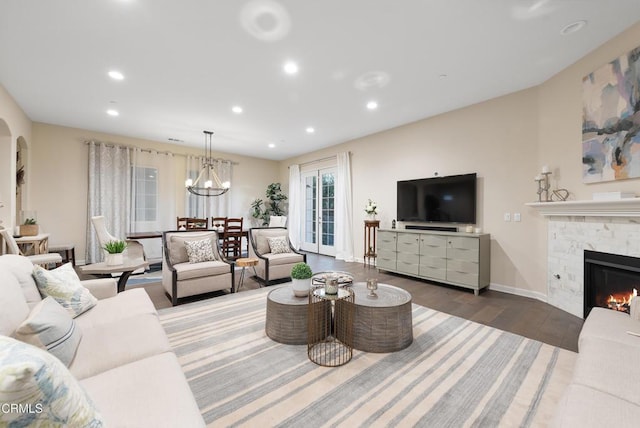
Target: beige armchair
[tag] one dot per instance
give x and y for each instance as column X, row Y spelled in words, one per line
column 272, row 267
column 180, row 278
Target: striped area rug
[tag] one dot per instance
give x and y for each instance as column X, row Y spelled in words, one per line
column 456, row 373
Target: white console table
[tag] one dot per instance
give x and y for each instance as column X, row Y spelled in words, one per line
column 461, row 259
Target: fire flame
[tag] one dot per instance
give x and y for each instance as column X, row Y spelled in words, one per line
column 621, row 300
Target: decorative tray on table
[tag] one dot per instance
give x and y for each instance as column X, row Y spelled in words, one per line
column 344, row 278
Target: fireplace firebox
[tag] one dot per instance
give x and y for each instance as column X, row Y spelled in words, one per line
column 610, row 280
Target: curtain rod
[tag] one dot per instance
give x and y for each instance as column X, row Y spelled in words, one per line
column 319, row 160
column 165, row 152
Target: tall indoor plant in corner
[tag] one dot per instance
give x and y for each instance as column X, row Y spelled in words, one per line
column 301, row 279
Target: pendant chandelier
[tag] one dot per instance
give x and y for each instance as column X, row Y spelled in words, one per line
column 208, row 183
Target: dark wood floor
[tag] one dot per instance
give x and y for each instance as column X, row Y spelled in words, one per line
column 521, row 315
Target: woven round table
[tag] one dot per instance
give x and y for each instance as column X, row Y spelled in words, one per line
column 383, row 323
column 286, row 317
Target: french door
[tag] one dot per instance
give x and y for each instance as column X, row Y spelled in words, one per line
column 318, row 190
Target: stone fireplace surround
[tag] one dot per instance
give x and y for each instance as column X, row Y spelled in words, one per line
column 575, row 226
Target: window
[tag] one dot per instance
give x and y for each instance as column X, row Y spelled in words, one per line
column 146, row 194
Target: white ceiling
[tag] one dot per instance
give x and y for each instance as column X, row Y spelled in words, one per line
column 187, row 63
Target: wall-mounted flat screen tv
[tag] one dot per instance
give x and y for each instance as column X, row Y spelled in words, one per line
column 449, row 199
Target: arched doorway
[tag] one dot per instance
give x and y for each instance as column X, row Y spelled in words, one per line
column 21, row 160
column 7, row 177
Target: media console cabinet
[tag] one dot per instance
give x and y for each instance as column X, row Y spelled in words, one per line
column 461, row 259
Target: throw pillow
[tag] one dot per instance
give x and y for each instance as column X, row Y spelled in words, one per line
column 64, row 285
column 199, row 251
column 50, row 327
column 279, row 245
column 40, row 391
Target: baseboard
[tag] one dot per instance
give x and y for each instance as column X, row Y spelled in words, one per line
column 518, row 291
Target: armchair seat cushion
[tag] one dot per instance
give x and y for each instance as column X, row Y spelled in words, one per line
column 283, row 258
column 198, row 270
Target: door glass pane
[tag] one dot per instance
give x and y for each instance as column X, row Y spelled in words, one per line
column 310, row 191
column 328, row 212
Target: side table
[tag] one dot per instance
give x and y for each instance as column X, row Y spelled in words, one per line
column 370, row 229
column 244, row 263
column 125, row 269
column 330, row 333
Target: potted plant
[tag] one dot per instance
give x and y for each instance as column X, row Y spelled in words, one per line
column 262, row 210
column 301, row 278
column 114, row 251
column 29, row 228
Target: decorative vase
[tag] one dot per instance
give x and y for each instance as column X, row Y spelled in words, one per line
column 114, row 259
column 331, row 286
column 301, row 287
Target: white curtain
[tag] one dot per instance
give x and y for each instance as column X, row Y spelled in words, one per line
column 108, row 194
column 295, row 206
column 344, row 209
column 207, row 207
column 153, row 196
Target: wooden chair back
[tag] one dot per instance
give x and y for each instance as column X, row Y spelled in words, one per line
column 232, row 239
column 191, row 223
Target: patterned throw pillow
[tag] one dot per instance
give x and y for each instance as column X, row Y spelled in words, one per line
column 199, row 251
column 64, row 285
column 40, row 391
column 50, row 327
column 279, row 245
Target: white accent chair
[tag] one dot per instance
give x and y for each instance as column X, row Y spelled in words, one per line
column 43, row 260
column 134, row 249
column 278, row 221
column 272, row 268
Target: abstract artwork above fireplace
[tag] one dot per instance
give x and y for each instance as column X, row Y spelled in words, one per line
column 611, row 120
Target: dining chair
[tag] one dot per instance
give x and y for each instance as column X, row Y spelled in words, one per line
column 37, row 259
column 218, row 224
column 181, row 223
column 197, row 223
column 232, row 240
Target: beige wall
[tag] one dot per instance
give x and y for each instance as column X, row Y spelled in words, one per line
column 506, row 141
column 14, row 124
column 58, row 180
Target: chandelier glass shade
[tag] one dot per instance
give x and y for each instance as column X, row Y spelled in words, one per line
column 207, row 183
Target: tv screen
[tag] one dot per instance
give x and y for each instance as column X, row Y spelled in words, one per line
column 449, row 199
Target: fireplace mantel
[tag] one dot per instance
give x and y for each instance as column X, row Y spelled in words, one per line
column 629, row 207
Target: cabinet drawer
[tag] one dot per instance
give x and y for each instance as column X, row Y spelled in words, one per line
column 433, row 250
column 462, row 278
column 464, row 243
column 413, row 258
column 434, row 240
column 407, row 267
column 408, row 239
column 386, row 253
column 433, row 272
column 463, row 254
column 386, row 263
column 463, row 266
column 431, row 261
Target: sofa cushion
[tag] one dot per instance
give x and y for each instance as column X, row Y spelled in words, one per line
column 261, row 236
column 150, row 393
column 283, row 259
column 177, row 250
column 50, row 327
column 22, row 268
column 128, row 304
column 64, row 285
column 198, row 270
column 609, row 325
column 104, row 347
column 634, row 308
column 36, row 379
column 14, row 308
column 279, row 245
column 199, row 251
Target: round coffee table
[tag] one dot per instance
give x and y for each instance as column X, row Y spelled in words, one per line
column 383, row 323
column 286, row 316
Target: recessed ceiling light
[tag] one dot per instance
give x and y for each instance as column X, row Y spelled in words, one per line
column 443, row 76
column 573, row 27
column 271, row 145
column 372, row 105
column 116, row 75
column 290, row 67
column 112, row 112
column 236, row 109
column 310, row 130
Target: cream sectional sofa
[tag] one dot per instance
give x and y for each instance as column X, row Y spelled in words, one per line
column 123, row 361
column 605, row 389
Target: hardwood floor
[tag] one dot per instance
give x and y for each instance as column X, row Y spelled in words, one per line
column 521, row 315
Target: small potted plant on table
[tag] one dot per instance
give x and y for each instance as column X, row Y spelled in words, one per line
column 301, row 279
column 29, row 228
column 114, row 251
